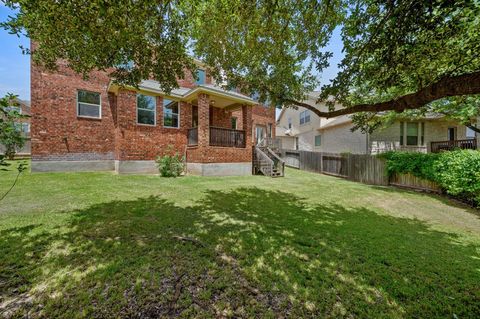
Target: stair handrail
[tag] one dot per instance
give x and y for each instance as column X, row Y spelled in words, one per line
column 261, row 154
column 278, row 158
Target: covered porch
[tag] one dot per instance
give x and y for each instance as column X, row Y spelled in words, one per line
column 219, row 140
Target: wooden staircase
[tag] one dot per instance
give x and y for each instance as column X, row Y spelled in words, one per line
column 267, row 162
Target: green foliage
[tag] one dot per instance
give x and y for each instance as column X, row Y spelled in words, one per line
column 277, row 49
column 457, row 172
column 170, row 164
column 10, row 137
column 417, row 164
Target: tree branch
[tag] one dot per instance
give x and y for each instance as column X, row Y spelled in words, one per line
column 473, row 128
column 464, row 84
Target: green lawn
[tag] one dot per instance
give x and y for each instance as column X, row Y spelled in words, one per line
column 307, row 245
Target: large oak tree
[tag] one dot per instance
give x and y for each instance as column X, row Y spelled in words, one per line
column 400, row 56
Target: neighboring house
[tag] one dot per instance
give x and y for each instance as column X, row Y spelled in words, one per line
column 301, row 129
column 23, row 125
column 94, row 124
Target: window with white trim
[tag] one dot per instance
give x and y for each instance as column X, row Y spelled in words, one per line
column 318, row 140
column 412, row 133
column 289, row 123
column 170, row 113
column 89, row 104
column 146, row 109
column 304, row 117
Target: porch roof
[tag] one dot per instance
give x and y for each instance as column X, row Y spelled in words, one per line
column 220, row 97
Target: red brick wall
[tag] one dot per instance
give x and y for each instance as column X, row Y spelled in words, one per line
column 145, row 142
column 220, row 117
column 57, row 133
column 189, row 81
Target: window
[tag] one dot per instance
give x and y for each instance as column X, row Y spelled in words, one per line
column 146, row 109
column 412, row 133
column 200, row 77
column 318, row 140
column 170, row 113
column 304, row 117
column 289, row 123
column 88, row 104
column 469, row 133
column 269, row 129
column 234, row 123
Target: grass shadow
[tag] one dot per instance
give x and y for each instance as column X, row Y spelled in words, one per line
column 241, row 253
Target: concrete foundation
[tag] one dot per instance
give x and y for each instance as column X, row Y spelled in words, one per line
column 141, row 167
column 220, row 169
column 136, row 167
column 72, row 166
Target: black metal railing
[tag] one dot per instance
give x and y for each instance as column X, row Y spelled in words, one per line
column 192, row 136
column 227, row 137
column 451, row 145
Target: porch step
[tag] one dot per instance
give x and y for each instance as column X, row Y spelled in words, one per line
column 268, row 163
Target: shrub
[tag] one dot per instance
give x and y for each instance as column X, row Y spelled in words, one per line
column 457, row 172
column 170, row 164
column 418, row 164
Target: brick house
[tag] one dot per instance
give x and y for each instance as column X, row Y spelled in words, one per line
column 95, row 125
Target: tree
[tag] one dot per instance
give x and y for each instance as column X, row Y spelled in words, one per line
column 399, row 55
column 10, row 136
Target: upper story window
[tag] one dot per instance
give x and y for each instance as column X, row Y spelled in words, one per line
column 201, row 77
column 234, row 123
column 289, row 123
column 304, row 117
column 89, row 104
column 146, row 109
column 170, row 113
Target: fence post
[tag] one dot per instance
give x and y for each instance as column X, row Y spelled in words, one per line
column 321, row 162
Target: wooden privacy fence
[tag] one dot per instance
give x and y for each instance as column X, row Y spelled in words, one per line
column 366, row 169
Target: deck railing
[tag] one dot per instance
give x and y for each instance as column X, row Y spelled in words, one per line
column 227, row 137
column 451, row 145
column 192, row 136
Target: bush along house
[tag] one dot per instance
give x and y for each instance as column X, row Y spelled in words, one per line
column 95, row 125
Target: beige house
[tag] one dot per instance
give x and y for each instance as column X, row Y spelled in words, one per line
column 301, row 129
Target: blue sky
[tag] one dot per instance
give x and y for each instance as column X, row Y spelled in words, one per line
column 15, row 67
